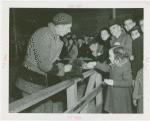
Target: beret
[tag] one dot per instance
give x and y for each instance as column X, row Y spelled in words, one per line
column 62, row 18
column 92, row 41
column 113, row 22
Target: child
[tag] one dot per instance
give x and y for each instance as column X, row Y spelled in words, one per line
column 138, row 91
column 118, row 97
column 137, row 50
column 129, row 23
column 141, row 23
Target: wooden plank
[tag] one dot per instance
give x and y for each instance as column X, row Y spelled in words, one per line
column 98, row 81
column 84, row 101
column 28, row 101
column 85, row 74
column 71, row 95
column 82, row 59
column 90, row 87
column 98, row 109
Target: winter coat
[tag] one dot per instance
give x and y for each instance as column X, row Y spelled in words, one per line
column 118, row 96
column 81, row 51
column 43, row 50
column 105, row 52
column 72, row 53
column 125, row 41
column 137, row 52
column 138, row 91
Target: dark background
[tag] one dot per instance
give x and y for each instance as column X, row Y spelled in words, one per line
column 85, row 21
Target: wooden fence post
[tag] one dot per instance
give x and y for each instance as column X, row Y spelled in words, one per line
column 99, row 96
column 90, row 87
column 72, row 95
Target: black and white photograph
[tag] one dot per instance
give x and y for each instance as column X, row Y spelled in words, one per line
column 76, row 60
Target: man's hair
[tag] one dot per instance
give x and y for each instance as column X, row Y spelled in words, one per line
column 119, row 52
column 70, row 38
column 128, row 18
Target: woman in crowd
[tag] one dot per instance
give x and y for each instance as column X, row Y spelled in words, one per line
column 103, row 55
column 72, row 50
column 64, row 49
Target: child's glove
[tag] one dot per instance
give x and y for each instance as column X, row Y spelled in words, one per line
column 135, row 102
column 131, row 57
column 98, row 54
column 94, row 54
column 109, row 81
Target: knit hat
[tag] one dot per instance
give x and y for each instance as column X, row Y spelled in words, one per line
column 135, row 28
column 62, row 18
column 113, row 22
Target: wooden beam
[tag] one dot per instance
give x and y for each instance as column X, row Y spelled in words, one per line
column 82, row 59
column 15, row 35
column 114, row 13
column 71, row 95
column 98, row 81
column 84, row 101
column 90, row 87
column 34, row 98
column 98, row 108
column 28, row 101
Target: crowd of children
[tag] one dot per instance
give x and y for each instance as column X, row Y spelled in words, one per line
column 125, row 83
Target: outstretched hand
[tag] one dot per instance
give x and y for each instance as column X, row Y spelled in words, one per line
column 109, row 81
column 67, row 68
column 91, row 64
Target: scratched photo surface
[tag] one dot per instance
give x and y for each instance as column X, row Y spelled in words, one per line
column 84, row 60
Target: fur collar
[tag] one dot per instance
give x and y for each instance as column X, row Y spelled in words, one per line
column 122, row 62
column 119, row 64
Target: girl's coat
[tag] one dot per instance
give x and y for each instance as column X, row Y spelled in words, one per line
column 118, row 96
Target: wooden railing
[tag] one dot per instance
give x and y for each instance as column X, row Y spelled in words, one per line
column 93, row 90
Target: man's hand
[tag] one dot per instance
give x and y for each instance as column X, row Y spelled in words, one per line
column 91, row 64
column 135, row 102
column 109, row 81
column 98, row 54
column 67, row 68
column 94, row 54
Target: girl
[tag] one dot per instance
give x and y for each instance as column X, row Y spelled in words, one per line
column 118, row 97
